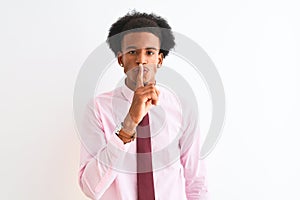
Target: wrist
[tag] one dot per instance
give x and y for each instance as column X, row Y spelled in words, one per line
column 129, row 125
column 124, row 135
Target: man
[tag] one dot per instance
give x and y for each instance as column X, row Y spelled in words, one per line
column 141, row 141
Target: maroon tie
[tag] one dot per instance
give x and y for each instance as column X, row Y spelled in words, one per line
column 144, row 161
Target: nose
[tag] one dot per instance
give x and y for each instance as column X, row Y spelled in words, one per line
column 141, row 58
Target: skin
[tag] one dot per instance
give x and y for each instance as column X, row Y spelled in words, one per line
column 139, row 57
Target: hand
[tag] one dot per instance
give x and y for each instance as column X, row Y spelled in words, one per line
column 144, row 97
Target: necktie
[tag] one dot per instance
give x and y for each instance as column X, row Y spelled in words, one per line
column 144, row 161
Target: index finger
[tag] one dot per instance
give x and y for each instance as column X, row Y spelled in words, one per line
column 139, row 78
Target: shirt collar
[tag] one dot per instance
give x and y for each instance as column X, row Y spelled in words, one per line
column 127, row 93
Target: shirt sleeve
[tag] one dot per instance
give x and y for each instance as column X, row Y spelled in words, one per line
column 194, row 168
column 99, row 156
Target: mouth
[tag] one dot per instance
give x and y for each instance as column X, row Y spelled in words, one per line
column 146, row 69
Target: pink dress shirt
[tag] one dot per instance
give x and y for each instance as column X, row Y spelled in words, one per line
column 108, row 167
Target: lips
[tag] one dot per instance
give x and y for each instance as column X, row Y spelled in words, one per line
column 145, row 69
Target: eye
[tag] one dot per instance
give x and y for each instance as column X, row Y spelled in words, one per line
column 150, row 53
column 132, row 52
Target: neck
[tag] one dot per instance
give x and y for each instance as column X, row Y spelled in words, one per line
column 130, row 84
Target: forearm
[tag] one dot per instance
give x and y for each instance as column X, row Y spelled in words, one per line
column 194, row 168
column 196, row 183
column 97, row 172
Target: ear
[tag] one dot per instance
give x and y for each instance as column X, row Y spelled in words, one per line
column 120, row 58
column 160, row 58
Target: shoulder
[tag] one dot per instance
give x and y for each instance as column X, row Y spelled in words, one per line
column 107, row 97
column 167, row 95
column 103, row 100
column 109, row 94
column 179, row 100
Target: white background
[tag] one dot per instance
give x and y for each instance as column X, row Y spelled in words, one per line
column 254, row 45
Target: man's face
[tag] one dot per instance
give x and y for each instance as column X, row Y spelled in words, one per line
column 140, row 48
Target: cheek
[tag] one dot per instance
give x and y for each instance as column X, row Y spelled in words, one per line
column 155, row 70
column 127, row 63
column 129, row 60
column 128, row 66
column 126, row 69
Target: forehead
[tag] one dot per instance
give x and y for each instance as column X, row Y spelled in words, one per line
column 140, row 40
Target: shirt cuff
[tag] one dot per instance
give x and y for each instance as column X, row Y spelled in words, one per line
column 117, row 142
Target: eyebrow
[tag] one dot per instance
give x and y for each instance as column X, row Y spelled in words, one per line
column 134, row 47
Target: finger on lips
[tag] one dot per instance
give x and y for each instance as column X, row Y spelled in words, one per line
column 139, row 78
column 150, row 92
